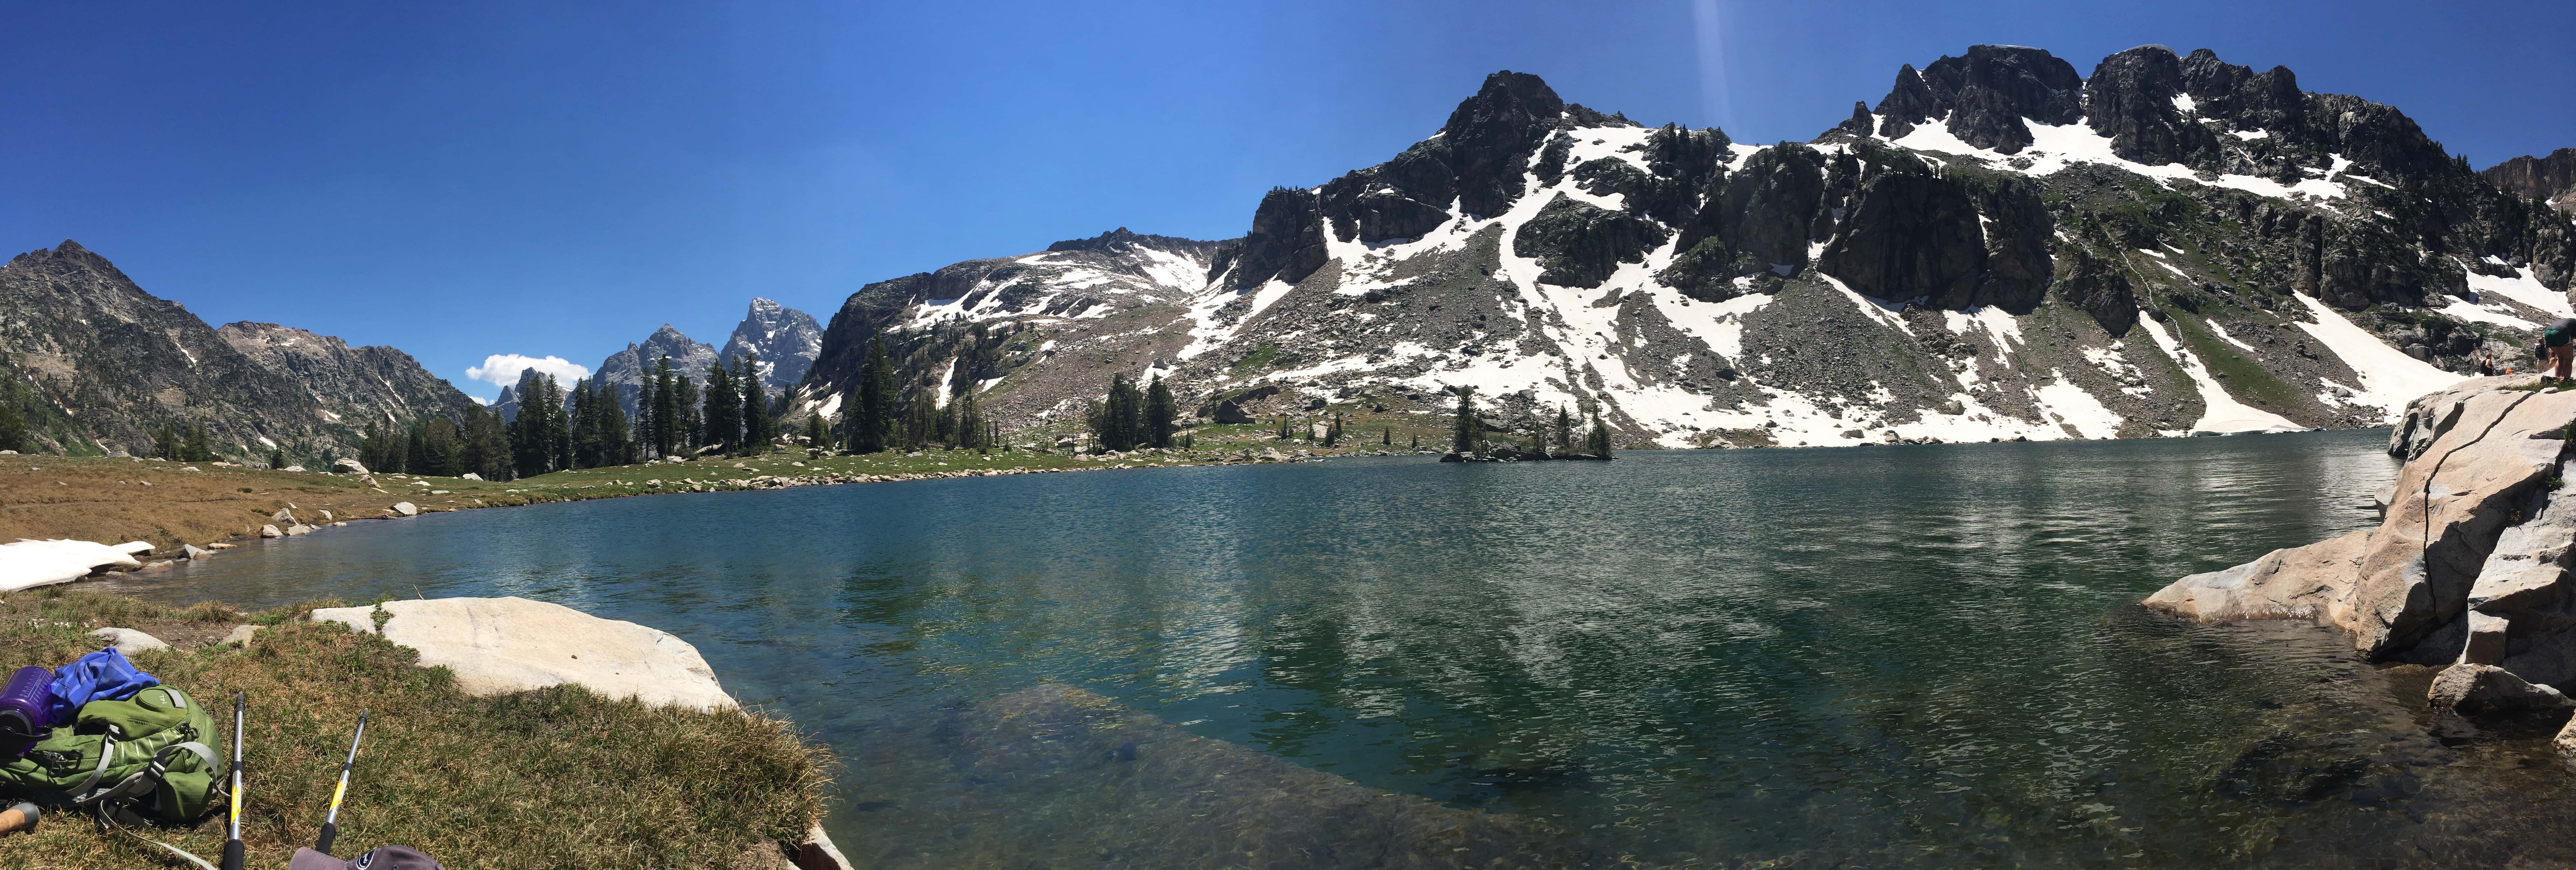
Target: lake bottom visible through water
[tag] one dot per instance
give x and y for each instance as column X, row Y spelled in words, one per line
column 1862, row 657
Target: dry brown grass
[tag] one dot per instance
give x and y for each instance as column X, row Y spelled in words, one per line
column 553, row 778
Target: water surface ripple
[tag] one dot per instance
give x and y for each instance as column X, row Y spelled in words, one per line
column 1851, row 657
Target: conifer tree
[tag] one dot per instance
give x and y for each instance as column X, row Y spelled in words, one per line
column 558, row 427
column 483, row 446
column 721, row 409
column 1599, row 442
column 817, row 435
column 666, row 411
column 1462, row 433
column 970, row 422
column 165, row 444
column 870, row 422
column 1160, row 409
column 615, row 446
column 528, row 430
column 1564, row 429
column 1119, row 423
column 276, row 458
column 756, row 435
column 416, row 448
column 1386, row 435
column 13, row 420
column 196, row 447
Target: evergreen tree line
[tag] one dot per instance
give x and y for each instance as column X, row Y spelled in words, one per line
column 882, row 417
column 185, row 444
column 1467, row 432
column 1131, row 418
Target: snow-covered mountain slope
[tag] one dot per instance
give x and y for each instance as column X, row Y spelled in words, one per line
column 2000, row 249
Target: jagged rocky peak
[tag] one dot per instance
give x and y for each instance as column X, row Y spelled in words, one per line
column 1985, row 94
column 2550, row 179
column 626, row 370
column 786, row 341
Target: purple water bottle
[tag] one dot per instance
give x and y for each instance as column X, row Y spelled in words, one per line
column 26, row 710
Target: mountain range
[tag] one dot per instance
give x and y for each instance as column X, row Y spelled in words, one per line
column 2000, row 247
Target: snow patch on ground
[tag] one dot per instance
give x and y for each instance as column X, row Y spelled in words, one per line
column 2389, row 378
column 2523, row 288
column 2220, row 411
column 2062, row 401
column 2463, row 309
column 27, row 564
column 2054, row 148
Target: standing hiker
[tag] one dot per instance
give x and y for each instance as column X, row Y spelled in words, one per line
column 2555, row 351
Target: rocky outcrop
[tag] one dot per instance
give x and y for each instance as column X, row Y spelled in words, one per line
column 784, row 339
column 1580, row 244
column 1984, row 96
column 2550, row 179
column 1286, row 242
column 2469, row 565
column 357, row 384
column 499, row 645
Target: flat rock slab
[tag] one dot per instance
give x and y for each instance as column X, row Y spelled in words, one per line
column 1053, row 776
column 501, row 645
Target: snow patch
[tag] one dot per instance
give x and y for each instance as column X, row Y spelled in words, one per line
column 2220, row 411
column 2389, row 378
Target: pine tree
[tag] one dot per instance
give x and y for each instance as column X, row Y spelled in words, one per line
column 817, row 436
column 756, row 436
column 531, row 453
column 1462, row 435
column 1119, row 423
column 196, row 447
column 970, row 422
column 1564, row 429
column 870, row 421
column 666, row 412
column 721, row 409
column 558, row 427
column 484, row 447
column 1160, row 409
column 615, row 446
column 276, row 458
column 416, row 448
column 165, row 444
column 1600, row 440
column 1386, row 436
column 437, row 450
column 13, row 419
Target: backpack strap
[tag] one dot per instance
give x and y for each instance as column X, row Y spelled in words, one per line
column 106, row 753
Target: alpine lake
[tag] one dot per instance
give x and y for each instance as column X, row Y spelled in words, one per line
column 1854, row 657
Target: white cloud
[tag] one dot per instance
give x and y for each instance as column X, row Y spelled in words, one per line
column 504, row 368
column 479, row 400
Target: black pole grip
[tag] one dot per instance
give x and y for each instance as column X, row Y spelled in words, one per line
column 232, row 855
column 330, row 831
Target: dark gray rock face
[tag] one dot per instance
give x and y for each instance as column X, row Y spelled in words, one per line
column 2550, row 179
column 1985, row 94
column 1490, row 136
column 2130, row 98
column 112, row 365
column 1912, row 235
column 2098, row 287
column 1286, row 242
column 1580, row 244
column 1362, row 205
column 785, row 340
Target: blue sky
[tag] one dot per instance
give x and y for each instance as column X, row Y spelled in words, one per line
column 466, row 179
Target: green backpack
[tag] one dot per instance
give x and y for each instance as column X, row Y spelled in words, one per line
column 153, row 751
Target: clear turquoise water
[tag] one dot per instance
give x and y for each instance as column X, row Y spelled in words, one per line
column 1852, row 657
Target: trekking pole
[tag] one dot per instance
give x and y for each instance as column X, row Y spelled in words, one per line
column 232, row 840
column 331, row 820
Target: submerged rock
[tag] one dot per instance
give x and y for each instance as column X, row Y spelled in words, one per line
column 2471, row 688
